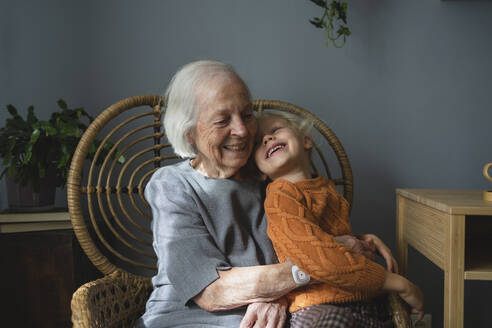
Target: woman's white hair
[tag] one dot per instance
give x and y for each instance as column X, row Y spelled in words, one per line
column 182, row 110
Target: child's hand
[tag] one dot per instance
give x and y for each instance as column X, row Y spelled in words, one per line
column 357, row 246
column 409, row 292
column 414, row 297
column 382, row 250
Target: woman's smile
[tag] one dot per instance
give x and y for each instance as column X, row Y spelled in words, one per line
column 238, row 147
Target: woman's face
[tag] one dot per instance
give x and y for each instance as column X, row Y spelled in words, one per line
column 226, row 127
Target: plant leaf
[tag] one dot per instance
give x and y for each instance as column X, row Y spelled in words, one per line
column 92, row 148
column 35, row 136
column 31, row 118
column 321, row 3
column 12, row 110
column 65, row 156
column 28, row 155
column 316, row 21
column 9, row 155
column 62, row 104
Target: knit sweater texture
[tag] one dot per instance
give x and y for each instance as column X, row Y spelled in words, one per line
column 303, row 219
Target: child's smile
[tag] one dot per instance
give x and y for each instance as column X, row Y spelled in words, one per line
column 274, row 149
column 281, row 150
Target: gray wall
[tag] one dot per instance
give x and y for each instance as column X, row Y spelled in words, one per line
column 409, row 95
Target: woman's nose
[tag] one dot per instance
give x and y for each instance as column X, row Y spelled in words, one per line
column 239, row 128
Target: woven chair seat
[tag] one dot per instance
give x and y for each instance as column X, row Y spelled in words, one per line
column 111, row 217
column 116, row 300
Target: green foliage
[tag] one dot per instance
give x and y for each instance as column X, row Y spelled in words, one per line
column 334, row 14
column 31, row 147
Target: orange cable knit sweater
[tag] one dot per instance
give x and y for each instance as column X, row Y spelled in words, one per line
column 302, row 218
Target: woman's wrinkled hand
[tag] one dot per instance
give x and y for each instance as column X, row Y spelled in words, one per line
column 383, row 250
column 265, row 315
column 358, row 246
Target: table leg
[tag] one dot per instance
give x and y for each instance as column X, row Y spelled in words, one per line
column 454, row 273
column 401, row 243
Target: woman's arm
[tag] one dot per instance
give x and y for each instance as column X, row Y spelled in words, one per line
column 244, row 285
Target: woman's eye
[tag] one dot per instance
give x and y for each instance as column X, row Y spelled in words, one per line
column 248, row 116
column 222, row 121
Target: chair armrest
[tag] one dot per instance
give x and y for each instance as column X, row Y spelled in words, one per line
column 401, row 319
column 116, row 300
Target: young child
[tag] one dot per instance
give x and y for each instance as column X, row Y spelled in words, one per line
column 305, row 216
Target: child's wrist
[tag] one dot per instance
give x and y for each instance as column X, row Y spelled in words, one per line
column 396, row 283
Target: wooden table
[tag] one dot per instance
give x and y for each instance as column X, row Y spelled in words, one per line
column 41, row 265
column 453, row 229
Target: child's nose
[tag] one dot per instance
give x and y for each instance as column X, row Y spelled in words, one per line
column 267, row 138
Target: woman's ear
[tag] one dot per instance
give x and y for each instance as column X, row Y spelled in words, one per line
column 308, row 143
column 189, row 137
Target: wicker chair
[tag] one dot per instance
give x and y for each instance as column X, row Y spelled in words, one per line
column 111, row 217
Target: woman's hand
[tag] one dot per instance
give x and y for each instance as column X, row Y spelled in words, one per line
column 270, row 315
column 382, row 250
column 357, row 246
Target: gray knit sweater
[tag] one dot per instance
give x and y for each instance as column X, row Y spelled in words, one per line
column 201, row 225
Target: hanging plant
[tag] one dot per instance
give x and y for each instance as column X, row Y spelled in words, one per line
column 333, row 21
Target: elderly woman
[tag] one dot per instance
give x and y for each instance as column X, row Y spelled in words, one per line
column 216, row 265
column 214, row 256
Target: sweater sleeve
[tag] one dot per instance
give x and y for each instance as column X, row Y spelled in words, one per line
column 295, row 234
column 187, row 253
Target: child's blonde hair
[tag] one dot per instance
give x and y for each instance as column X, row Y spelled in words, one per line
column 300, row 125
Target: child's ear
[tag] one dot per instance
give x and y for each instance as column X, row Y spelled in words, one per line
column 308, row 143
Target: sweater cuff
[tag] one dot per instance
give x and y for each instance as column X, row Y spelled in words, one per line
column 375, row 274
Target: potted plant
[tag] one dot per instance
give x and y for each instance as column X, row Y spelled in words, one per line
column 37, row 154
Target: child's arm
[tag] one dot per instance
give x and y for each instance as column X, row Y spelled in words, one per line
column 318, row 254
column 408, row 291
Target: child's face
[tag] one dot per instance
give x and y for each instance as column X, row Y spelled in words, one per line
column 279, row 149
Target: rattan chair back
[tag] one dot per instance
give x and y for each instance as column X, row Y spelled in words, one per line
column 109, row 213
